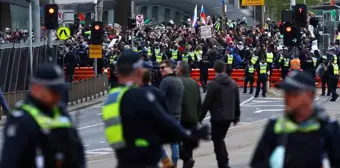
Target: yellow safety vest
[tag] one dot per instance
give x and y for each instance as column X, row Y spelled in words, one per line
column 338, row 36
column 157, row 51
column 336, row 69
column 158, row 58
column 286, row 62
column 112, row 59
column 263, row 68
column 270, row 57
column 192, row 54
column 174, row 54
column 149, row 52
column 284, row 125
column 230, row 59
column 185, row 58
column 44, row 121
column 314, row 61
column 251, row 69
column 112, row 120
column 254, row 59
column 335, row 59
column 135, row 49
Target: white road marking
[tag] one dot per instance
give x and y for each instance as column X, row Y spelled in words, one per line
column 86, row 145
column 91, row 126
column 246, row 101
column 251, row 105
column 99, row 114
column 102, row 142
column 271, row 110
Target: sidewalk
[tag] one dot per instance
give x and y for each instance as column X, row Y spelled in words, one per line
column 240, row 142
column 75, row 107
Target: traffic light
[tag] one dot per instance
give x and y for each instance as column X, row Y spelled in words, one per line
column 97, row 32
column 131, row 23
column 291, row 34
column 51, row 16
column 300, row 15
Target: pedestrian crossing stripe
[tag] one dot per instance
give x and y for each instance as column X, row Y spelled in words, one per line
column 63, row 33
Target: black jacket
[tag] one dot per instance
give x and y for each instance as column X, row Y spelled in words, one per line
column 303, row 149
column 222, row 99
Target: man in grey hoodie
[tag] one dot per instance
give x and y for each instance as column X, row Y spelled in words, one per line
column 223, row 102
column 173, row 89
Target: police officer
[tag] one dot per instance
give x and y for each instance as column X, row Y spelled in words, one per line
column 38, row 132
column 284, row 66
column 136, row 125
column 333, row 72
column 204, row 65
column 249, row 77
column 229, row 59
column 262, row 71
column 323, row 73
column 308, row 65
column 304, row 136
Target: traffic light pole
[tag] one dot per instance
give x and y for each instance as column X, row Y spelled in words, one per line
column 292, row 3
column 95, row 62
column 30, row 36
column 49, row 33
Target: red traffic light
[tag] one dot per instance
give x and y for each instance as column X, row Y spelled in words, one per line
column 96, row 27
column 300, row 10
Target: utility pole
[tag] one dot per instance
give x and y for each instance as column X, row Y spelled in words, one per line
column 36, row 20
column 132, row 16
column 223, row 13
column 49, row 34
column 95, row 19
column 292, row 3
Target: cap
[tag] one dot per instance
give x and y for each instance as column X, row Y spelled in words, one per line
column 130, row 59
column 298, row 81
column 51, row 76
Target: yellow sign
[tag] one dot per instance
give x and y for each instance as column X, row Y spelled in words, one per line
column 95, row 51
column 252, row 2
column 63, row 33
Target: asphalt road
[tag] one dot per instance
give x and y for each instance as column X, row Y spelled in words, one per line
column 91, row 128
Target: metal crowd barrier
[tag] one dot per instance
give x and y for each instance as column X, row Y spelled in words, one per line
column 79, row 92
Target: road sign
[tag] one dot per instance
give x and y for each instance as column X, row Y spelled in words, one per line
column 95, row 51
column 139, row 20
column 63, row 33
column 252, row 2
column 67, row 16
column 60, row 17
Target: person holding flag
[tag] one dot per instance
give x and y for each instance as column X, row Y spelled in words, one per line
column 203, row 16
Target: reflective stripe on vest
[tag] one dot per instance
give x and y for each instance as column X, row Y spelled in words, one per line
column 314, row 61
column 286, row 62
column 251, row 69
column 158, row 58
column 185, row 58
column 263, row 68
column 174, row 54
column 284, row 125
column 44, row 121
column 269, row 57
column 135, row 49
column 111, row 118
column 336, row 69
column 230, row 59
column 112, row 59
column 192, row 54
column 149, row 52
column 335, row 59
column 254, row 60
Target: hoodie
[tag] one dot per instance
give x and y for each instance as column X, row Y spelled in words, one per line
column 222, row 99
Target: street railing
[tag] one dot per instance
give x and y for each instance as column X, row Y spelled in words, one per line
column 79, row 92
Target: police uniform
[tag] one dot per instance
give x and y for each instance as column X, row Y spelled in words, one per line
column 333, row 72
column 229, row 59
column 284, row 67
column 249, row 77
column 287, row 143
column 136, row 125
column 39, row 136
column 262, row 72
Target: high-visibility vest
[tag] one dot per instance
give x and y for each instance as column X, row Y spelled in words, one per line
column 285, row 125
column 254, row 59
column 157, row 51
column 314, row 61
column 46, row 122
column 286, row 62
column 338, row 36
column 112, row 120
column 149, row 52
column 159, row 58
column 174, row 54
column 217, row 26
column 336, row 69
column 192, row 54
column 335, row 59
column 230, row 59
column 135, row 49
column 185, row 58
column 251, row 69
column 112, row 59
column 263, row 68
column 270, row 57
column 295, row 64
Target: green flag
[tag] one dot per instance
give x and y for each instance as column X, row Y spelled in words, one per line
column 333, row 13
column 147, row 21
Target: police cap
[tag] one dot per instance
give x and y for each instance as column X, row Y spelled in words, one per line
column 51, row 76
column 129, row 59
column 298, row 81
